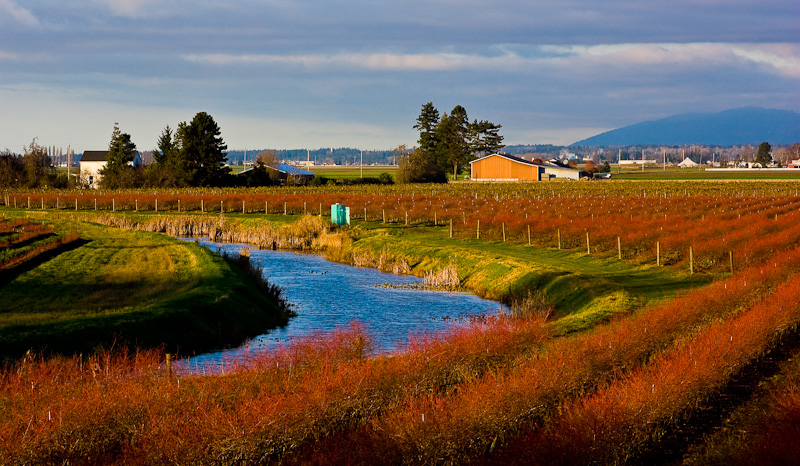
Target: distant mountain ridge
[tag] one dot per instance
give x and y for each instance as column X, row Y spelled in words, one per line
column 746, row 125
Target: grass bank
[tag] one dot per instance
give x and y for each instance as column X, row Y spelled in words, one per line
column 134, row 289
column 584, row 289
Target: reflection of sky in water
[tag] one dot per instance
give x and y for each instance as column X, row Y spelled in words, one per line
column 328, row 295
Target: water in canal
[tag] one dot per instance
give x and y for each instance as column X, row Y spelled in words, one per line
column 327, row 295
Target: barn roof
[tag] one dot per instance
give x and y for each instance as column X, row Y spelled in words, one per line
column 512, row 158
column 94, row 156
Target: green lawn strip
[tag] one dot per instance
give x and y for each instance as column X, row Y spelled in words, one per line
column 584, row 289
column 140, row 289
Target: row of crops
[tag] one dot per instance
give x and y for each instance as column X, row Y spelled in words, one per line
column 653, row 387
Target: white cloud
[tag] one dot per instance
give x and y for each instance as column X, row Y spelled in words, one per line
column 782, row 59
column 21, row 15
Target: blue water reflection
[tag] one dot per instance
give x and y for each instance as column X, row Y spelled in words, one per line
column 328, row 295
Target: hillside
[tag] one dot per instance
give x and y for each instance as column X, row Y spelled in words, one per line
column 747, row 125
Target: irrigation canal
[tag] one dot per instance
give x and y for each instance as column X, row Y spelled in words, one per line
column 328, row 295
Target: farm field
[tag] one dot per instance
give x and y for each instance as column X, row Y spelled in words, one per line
column 96, row 284
column 695, row 174
column 353, row 171
column 646, row 318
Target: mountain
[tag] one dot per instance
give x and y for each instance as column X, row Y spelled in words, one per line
column 747, row 125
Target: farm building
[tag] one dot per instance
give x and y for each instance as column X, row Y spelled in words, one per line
column 688, row 163
column 504, row 167
column 92, row 161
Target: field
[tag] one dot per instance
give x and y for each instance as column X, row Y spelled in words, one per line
column 676, row 173
column 69, row 287
column 353, row 171
column 651, row 322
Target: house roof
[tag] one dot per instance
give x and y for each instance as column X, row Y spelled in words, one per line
column 94, row 156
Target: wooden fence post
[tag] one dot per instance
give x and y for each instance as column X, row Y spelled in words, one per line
column 619, row 248
column 478, row 231
column 156, row 205
column 406, row 218
column 202, row 205
column 365, row 214
column 730, row 256
column 588, row 250
column 529, row 234
column 384, row 215
column 691, row 259
column 504, row 231
column 243, row 211
column 559, row 238
column 658, row 253
column 285, row 210
column 76, row 204
column 451, row 227
column 113, row 205
column 221, row 207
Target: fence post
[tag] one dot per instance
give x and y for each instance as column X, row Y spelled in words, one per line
column 156, row 205
column 588, row 251
column 243, row 207
column 113, row 205
column 202, row 205
column 284, row 208
column 76, row 204
column 451, row 227
column 529, row 234
column 384, row 215
column 95, row 203
column 504, row 231
column 559, row 238
column 730, row 256
column 691, row 260
column 406, row 218
column 365, row 214
column 619, row 248
column 658, row 253
column 179, row 205
column 478, row 230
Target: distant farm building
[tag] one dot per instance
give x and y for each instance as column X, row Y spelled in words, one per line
column 688, row 163
column 504, row 167
column 92, row 161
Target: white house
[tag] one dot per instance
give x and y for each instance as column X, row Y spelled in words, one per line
column 92, row 161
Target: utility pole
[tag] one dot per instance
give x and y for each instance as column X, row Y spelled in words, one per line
column 362, row 163
column 69, row 164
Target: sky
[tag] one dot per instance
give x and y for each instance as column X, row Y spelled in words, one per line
column 289, row 74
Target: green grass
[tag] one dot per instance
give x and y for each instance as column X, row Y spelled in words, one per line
column 135, row 288
column 337, row 172
column 584, row 289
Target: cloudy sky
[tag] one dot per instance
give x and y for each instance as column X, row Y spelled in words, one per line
column 335, row 73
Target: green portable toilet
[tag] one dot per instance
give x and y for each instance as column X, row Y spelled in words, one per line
column 340, row 214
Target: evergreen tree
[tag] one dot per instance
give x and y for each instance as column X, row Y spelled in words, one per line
column 118, row 173
column 485, row 138
column 203, row 150
column 426, row 125
column 764, row 156
column 452, row 146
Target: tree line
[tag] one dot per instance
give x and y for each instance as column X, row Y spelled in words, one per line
column 32, row 169
column 446, row 144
